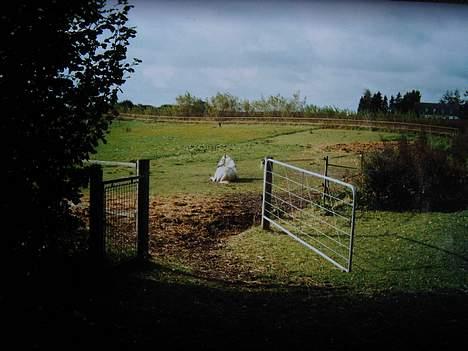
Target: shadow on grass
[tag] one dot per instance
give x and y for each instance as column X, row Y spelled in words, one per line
column 248, row 180
column 365, row 258
column 454, row 254
column 152, row 305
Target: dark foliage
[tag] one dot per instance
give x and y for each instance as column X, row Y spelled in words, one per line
column 376, row 103
column 61, row 65
column 452, row 97
column 416, row 176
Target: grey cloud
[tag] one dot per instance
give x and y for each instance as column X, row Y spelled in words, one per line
column 330, row 51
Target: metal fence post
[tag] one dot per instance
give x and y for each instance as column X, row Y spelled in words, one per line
column 325, row 182
column 143, row 209
column 353, row 224
column 267, row 185
column 96, row 214
column 361, row 168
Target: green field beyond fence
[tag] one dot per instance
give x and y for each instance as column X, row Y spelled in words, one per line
column 184, row 156
column 434, row 126
column 393, row 251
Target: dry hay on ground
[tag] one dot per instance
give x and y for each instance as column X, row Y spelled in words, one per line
column 192, row 228
column 360, row 148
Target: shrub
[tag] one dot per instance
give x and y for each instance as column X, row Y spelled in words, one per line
column 61, row 66
column 414, row 176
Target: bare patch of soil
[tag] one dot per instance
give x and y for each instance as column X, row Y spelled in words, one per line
column 192, row 229
column 360, row 148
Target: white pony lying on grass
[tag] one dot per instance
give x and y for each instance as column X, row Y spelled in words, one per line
column 226, row 170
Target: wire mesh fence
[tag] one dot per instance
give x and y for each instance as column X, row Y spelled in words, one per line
column 316, row 210
column 120, row 201
column 119, row 213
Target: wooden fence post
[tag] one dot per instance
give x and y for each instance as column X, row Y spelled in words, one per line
column 143, row 209
column 96, row 213
column 267, row 186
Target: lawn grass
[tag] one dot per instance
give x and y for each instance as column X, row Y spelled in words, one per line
column 393, row 251
column 407, row 289
column 184, row 156
column 404, row 252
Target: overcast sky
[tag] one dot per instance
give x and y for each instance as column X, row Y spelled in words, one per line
column 330, row 51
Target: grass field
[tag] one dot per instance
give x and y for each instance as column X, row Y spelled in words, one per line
column 403, row 251
column 184, row 156
column 212, row 286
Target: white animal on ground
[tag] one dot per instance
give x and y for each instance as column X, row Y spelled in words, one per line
column 225, row 171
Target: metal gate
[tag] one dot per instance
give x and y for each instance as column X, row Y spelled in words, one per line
column 119, row 214
column 120, row 224
column 316, row 210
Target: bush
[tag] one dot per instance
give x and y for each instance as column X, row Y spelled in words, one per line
column 414, row 176
column 61, row 66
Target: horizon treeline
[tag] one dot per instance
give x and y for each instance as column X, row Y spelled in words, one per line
column 376, row 103
column 223, row 104
column 226, row 104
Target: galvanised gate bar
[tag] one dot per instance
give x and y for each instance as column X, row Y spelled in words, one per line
column 316, row 210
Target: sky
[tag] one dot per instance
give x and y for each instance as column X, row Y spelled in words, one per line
column 329, row 51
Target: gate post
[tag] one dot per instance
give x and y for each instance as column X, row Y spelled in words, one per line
column 267, row 185
column 325, row 182
column 96, row 213
column 143, row 209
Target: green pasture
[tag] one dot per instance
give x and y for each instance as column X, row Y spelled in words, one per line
column 184, row 156
column 399, row 252
column 407, row 252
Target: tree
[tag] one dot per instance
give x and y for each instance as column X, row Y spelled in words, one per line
column 391, row 105
column 398, row 103
column 246, row 106
column 385, row 104
column 125, row 106
column 376, row 102
column 294, row 105
column 61, row 66
column 166, row 110
column 410, row 101
column 452, row 97
column 190, row 105
column 365, row 103
column 260, row 105
column 222, row 104
column 373, row 103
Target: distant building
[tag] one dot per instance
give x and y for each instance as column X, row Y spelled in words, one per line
column 438, row 110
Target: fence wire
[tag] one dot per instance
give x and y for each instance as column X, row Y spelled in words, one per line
column 120, row 200
column 316, row 210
